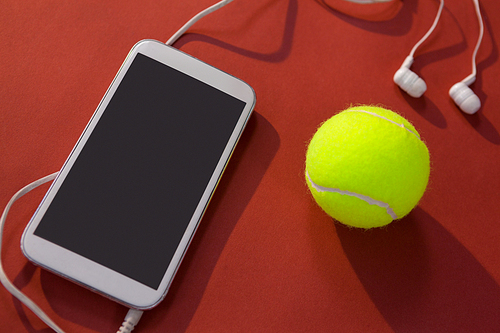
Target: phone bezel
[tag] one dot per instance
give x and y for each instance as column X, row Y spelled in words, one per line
column 100, row 278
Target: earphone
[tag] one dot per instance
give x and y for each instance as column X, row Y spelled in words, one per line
column 465, row 98
column 460, row 93
column 409, row 81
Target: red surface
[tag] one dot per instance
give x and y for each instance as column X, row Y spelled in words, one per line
column 266, row 258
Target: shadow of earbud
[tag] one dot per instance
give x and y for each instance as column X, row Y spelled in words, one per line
column 479, row 121
column 390, row 18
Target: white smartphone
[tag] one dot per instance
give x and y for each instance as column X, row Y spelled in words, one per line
column 124, row 207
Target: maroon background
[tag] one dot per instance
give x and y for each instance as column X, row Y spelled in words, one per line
column 266, row 258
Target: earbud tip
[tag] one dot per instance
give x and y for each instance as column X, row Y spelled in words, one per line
column 465, row 98
column 410, row 82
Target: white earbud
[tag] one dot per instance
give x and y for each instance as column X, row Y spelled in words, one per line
column 465, row 98
column 461, row 94
column 408, row 80
column 404, row 77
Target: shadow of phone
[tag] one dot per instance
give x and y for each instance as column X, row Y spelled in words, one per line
column 253, row 155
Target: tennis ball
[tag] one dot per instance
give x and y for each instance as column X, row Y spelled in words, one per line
column 367, row 166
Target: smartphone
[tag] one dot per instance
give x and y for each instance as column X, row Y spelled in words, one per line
column 124, row 207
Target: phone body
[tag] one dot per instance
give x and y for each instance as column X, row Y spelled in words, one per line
column 124, row 207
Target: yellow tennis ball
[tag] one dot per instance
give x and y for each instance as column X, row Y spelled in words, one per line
column 367, row 166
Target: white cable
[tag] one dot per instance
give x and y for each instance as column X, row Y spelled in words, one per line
column 195, row 19
column 434, row 24
column 132, row 317
column 3, row 277
column 472, row 77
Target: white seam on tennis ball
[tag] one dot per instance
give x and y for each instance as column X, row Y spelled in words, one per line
column 392, row 121
column 365, row 198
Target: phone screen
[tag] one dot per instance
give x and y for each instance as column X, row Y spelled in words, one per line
column 134, row 186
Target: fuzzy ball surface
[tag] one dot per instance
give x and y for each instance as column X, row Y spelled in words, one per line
column 367, row 166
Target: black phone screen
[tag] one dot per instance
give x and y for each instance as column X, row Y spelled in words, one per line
column 136, row 183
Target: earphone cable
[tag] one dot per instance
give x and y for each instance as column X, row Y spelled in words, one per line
column 195, row 19
column 472, row 77
column 133, row 315
column 431, row 29
column 3, row 277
